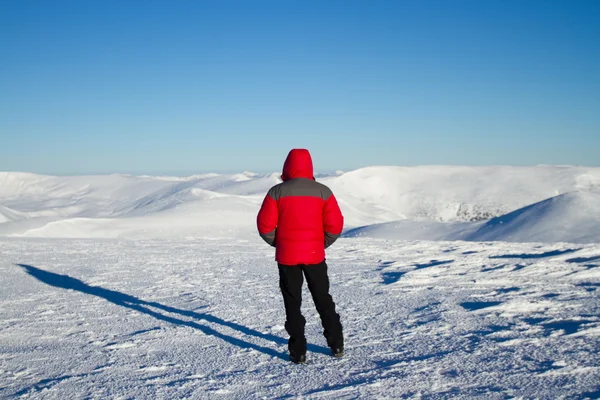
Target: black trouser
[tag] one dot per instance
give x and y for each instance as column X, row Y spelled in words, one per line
column 290, row 282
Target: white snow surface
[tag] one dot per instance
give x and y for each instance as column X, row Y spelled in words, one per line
column 412, row 203
column 203, row 318
column 145, row 287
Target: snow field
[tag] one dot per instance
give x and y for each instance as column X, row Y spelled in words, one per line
column 204, row 319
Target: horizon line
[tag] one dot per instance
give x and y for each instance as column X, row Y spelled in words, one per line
column 182, row 174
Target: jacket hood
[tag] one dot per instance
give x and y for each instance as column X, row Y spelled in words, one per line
column 298, row 164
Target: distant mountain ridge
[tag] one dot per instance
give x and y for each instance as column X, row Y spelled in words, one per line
column 428, row 202
column 454, row 193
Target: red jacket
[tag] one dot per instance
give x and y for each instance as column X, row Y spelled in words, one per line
column 300, row 216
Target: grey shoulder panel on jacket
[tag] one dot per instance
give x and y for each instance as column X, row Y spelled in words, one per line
column 300, row 187
column 275, row 191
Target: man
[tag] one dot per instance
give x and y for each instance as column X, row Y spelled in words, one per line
column 301, row 218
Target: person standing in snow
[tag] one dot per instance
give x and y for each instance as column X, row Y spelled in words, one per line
column 301, row 218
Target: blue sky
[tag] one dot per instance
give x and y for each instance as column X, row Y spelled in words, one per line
column 194, row 86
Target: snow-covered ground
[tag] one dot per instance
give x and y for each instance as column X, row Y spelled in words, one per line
column 159, row 287
column 204, row 319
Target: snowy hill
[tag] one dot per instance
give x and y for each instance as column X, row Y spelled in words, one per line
column 114, row 206
column 571, row 217
column 432, row 202
column 6, row 214
column 452, row 193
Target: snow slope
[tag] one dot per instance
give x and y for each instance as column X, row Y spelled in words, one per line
column 417, row 198
column 571, row 217
column 203, row 319
column 134, row 207
column 6, row 215
column 453, row 193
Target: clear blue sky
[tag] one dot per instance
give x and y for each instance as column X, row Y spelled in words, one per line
column 101, row 86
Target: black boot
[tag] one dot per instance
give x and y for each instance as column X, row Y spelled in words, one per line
column 297, row 358
column 337, row 352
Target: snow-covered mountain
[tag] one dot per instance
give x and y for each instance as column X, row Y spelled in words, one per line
column 569, row 217
column 431, row 202
column 453, row 193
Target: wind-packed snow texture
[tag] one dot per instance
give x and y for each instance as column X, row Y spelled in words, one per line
column 440, row 290
column 204, row 319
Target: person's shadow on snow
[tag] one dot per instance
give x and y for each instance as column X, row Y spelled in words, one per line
column 128, row 301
